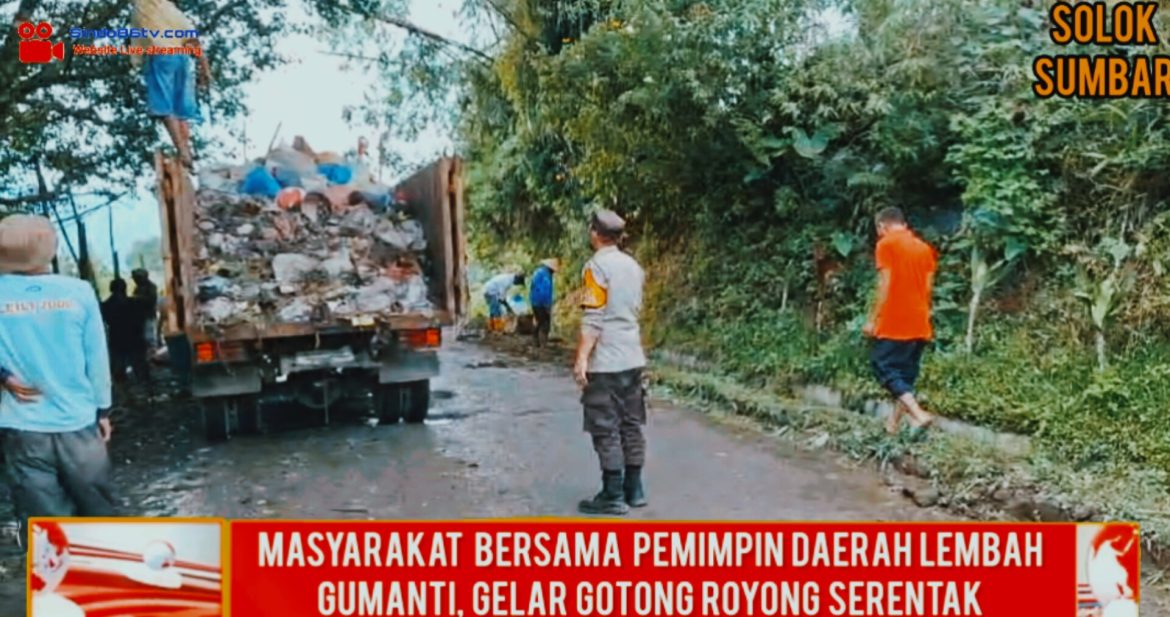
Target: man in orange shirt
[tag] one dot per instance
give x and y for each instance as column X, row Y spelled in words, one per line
column 900, row 319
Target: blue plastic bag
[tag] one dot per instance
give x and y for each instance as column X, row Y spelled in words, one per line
column 260, row 182
column 335, row 174
column 519, row 305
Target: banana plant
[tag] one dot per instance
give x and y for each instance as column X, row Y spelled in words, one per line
column 985, row 276
column 1103, row 298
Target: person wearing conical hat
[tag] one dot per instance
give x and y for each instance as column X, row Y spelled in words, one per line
column 540, row 298
column 170, row 74
column 52, row 335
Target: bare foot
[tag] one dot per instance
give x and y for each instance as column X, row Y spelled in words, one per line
column 924, row 424
column 892, row 426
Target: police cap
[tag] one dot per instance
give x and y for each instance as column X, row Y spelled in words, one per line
column 607, row 222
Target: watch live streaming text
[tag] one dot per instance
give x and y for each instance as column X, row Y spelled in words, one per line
column 37, row 48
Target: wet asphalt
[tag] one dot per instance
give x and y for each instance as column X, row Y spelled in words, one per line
column 504, row 439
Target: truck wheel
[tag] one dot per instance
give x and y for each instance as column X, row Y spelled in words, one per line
column 248, row 411
column 217, row 417
column 388, row 403
column 417, row 401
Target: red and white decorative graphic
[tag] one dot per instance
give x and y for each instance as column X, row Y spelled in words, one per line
column 1110, row 559
column 50, row 564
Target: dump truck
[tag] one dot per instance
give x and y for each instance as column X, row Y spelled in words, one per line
column 245, row 372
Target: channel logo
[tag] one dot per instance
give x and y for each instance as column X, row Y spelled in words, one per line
column 35, row 46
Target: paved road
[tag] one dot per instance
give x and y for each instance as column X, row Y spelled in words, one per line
column 508, row 442
column 505, row 440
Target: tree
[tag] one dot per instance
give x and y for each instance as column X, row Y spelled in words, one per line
column 84, row 120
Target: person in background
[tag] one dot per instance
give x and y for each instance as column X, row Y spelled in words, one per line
column 51, row 334
column 899, row 321
column 495, row 292
column 540, row 298
column 609, row 366
column 126, row 327
column 146, row 292
column 171, row 79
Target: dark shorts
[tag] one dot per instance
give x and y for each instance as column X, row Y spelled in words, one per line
column 896, row 364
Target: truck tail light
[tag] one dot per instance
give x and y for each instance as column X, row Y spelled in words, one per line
column 207, row 353
column 423, row 339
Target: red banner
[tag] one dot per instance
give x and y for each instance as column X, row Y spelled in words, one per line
column 538, row 569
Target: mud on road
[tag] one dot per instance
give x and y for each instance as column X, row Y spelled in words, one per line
column 504, row 439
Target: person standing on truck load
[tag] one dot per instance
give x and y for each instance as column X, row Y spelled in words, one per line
column 146, row 292
column 609, row 367
column 126, row 319
column 171, row 78
column 540, row 298
column 51, row 334
column 899, row 321
column 495, row 292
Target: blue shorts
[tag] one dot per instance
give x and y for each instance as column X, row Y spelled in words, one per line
column 170, row 87
column 495, row 307
column 896, row 364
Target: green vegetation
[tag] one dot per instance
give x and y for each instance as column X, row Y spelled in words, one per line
column 82, row 121
column 750, row 148
column 749, row 144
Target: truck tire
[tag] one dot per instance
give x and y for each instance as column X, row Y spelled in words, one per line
column 417, row 401
column 248, row 412
column 217, row 419
column 388, row 403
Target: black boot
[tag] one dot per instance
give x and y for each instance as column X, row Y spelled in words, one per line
column 634, row 494
column 610, row 500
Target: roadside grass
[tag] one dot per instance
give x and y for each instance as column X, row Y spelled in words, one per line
column 972, row 477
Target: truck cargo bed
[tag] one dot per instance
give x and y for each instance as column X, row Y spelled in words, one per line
column 435, row 197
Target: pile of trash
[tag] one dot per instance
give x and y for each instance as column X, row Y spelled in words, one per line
column 303, row 237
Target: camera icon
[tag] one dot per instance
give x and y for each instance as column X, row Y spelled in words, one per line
column 35, row 46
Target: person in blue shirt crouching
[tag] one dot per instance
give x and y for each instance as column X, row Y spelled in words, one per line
column 54, row 431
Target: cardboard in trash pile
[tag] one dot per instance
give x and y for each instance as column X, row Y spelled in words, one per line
column 321, row 254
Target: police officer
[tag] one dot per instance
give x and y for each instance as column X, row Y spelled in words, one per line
column 609, row 366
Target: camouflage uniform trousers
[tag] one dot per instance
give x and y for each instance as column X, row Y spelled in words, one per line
column 615, row 411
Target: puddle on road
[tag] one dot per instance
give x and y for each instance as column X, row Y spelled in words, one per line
column 533, row 412
column 487, row 364
column 175, row 494
column 447, row 417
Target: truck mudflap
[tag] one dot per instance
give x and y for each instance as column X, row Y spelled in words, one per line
column 225, row 380
column 409, row 367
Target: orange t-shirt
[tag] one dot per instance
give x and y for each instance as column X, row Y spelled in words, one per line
column 910, row 262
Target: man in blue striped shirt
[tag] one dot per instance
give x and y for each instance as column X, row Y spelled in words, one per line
column 52, row 336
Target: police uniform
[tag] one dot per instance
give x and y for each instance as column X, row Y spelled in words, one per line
column 614, row 399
